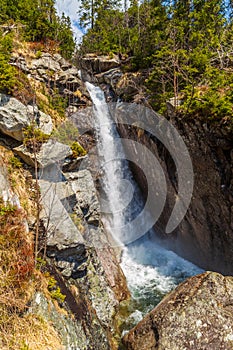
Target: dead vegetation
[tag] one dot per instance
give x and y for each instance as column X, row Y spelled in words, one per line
column 20, row 279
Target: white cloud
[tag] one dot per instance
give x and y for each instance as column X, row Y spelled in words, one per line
column 70, row 8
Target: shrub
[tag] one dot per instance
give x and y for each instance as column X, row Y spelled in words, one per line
column 77, row 150
column 15, row 162
column 55, row 291
column 66, row 133
column 34, row 138
column 38, row 54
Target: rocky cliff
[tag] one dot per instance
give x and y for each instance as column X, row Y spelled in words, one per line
column 79, row 302
column 205, row 234
column 86, row 283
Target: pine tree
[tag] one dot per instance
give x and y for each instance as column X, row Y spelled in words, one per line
column 90, row 10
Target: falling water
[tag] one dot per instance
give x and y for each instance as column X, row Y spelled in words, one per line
column 150, row 269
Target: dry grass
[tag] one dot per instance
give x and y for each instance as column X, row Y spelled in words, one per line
column 19, row 280
column 29, row 332
column 20, row 182
column 42, row 93
column 20, row 330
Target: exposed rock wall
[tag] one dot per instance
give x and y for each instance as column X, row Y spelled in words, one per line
column 81, row 256
column 205, row 236
column 71, row 234
column 198, row 314
column 57, row 73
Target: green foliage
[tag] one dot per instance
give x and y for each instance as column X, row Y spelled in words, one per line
column 6, row 209
column 58, row 102
column 40, row 263
column 34, row 137
column 25, row 347
column 183, row 45
column 77, row 150
column 91, row 11
column 66, row 133
column 40, row 22
column 54, row 104
column 15, row 162
column 65, row 37
column 38, row 54
column 54, row 291
column 213, row 100
column 7, row 72
column 77, row 221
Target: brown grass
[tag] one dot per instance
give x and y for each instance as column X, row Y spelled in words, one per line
column 19, row 280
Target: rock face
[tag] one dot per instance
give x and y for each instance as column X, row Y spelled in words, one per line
column 6, row 192
column 51, row 152
column 197, row 315
column 65, row 325
column 56, row 73
column 98, row 64
column 71, row 234
column 15, row 116
column 81, row 257
column 205, row 234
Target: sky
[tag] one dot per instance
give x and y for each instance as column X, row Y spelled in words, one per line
column 70, row 8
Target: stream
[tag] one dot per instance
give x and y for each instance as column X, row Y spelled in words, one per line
column 151, row 270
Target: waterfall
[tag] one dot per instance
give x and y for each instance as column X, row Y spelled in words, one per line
column 109, row 152
column 150, row 269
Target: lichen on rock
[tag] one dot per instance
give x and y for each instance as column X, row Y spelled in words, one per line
column 198, row 314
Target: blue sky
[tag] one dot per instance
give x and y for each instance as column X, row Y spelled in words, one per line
column 70, row 8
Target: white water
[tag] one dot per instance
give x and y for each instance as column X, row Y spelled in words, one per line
column 151, row 270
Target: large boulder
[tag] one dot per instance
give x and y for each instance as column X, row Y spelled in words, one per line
column 197, row 315
column 14, row 117
column 98, row 64
column 110, row 77
column 47, row 61
column 82, row 185
column 45, row 121
column 50, row 153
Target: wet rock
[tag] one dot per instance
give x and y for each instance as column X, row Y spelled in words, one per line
column 198, row 314
column 204, row 236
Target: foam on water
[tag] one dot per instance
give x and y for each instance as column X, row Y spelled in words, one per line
column 151, row 272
